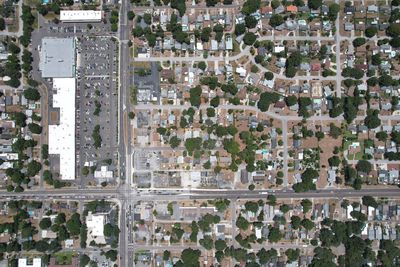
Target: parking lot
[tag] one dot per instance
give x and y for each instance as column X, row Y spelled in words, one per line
column 97, row 102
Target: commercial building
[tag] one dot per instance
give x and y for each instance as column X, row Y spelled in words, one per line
column 37, row 262
column 62, row 136
column 81, row 16
column 95, row 225
column 57, row 57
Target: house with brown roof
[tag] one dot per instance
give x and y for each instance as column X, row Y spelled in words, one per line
column 315, row 66
column 291, row 8
column 266, row 11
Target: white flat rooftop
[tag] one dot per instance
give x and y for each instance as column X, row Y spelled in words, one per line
column 95, row 224
column 57, row 57
column 80, row 15
column 62, row 136
column 37, row 262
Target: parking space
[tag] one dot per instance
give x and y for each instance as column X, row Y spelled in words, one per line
column 97, row 102
column 145, row 160
column 147, row 83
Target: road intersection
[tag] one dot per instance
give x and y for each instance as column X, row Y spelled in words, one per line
column 127, row 195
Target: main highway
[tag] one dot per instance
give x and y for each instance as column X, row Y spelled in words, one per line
column 124, row 194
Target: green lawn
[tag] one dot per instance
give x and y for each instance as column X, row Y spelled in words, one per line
column 64, row 258
column 356, row 156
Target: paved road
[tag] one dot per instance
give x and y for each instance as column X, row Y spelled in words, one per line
column 269, row 113
column 338, row 62
column 175, row 247
column 124, row 129
column 165, row 194
column 198, row 6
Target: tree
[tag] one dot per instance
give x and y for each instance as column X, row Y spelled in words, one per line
column 147, row 18
column 276, row 20
column 131, row 15
column 231, row 146
column 190, row 257
column 20, row 119
column 221, row 204
column 319, row 135
column 45, row 223
column 240, row 29
column 207, row 242
column 369, row 201
column 372, row 120
column 111, row 255
column 242, row 223
column 271, row 200
column 364, row 166
column 211, row 2
column 284, row 208
column 323, row 257
column 31, row 94
column 195, row 94
column 111, row 231
column 371, row 32
column 295, row 221
column 74, row 224
column 372, row 81
column 395, row 42
column 174, row 141
column 269, row 76
column 166, row 255
column 249, row 38
column 220, row 244
column 314, row 4
column 291, row 100
column 251, row 22
column 359, row 41
column 33, row 168
column 334, row 161
column 393, row 30
column 41, row 246
column 251, row 206
column 275, row 4
column 307, row 224
column 210, row 112
column 215, row 101
column 306, row 204
column 265, row 256
column 274, row 235
column 307, row 181
column 381, row 136
column 35, row 128
column 333, row 11
column 266, row 99
column 14, row 48
column 376, row 60
column 84, row 260
column 202, row 65
column 2, row 24
column 250, row 6
column 292, row 254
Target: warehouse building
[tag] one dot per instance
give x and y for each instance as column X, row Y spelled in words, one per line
column 81, row 16
column 62, row 135
column 54, row 64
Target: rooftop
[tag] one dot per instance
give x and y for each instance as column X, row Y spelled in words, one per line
column 54, row 64
column 80, row 15
column 62, row 136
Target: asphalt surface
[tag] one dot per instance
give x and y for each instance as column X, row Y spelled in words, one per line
column 124, row 149
column 164, row 194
